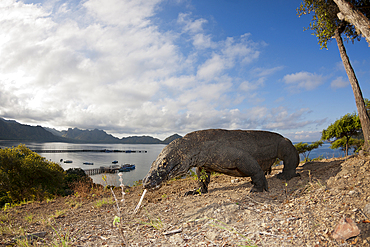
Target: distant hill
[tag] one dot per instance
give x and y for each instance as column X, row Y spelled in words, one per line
column 140, row 140
column 91, row 136
column 171, row 138
column 12, row 130
column 53, row 131
column 100, row 136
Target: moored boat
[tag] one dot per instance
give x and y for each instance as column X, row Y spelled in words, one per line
column 68, row 161
column 127, row 167
column 88, row 163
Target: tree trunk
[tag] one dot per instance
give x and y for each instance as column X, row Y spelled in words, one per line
column 362, row 113
column 355, row 17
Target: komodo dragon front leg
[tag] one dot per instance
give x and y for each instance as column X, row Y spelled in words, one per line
column 204, row 178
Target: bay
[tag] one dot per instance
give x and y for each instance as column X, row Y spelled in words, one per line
column 142, row 160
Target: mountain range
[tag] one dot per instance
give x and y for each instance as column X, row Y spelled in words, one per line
column 12, row 130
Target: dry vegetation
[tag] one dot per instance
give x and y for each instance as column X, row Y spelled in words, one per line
column 302, row 212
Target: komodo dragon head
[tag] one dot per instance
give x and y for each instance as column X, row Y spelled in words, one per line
column 170, row 163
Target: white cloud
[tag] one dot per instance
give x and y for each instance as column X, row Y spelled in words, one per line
column 303, row 80
column 251, row 86
column 109, row 66
column 262, row 72
column 339, row 82
column 126, row 13
column 190, row 25
column 304, row 136
column 211, row 68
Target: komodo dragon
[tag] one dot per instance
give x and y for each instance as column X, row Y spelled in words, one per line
column 239, row 153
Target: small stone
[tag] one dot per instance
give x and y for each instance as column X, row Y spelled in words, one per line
column 367, row 209
column 345, row 229
column 353, row 193
column 211, row 235
column 176, row 239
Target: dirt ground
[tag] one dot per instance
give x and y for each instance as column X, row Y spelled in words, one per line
column 301, row 212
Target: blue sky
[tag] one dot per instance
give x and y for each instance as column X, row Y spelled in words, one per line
column 138, row 67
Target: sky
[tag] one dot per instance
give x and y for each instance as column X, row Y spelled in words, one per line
column 160, row 67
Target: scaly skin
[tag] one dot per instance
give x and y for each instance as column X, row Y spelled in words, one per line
column 239, row 153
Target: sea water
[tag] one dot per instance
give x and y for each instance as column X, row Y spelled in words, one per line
column 142, row 160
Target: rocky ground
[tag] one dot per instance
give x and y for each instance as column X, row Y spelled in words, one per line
column 301, row 212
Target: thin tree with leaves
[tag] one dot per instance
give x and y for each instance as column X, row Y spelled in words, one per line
column 346, row 127
column 305, row 148
column 325, row 24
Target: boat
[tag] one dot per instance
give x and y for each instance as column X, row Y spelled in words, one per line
column 127, row 168
column 115, row 162
column 113, row 167
column 88, row 163
column 68, row 161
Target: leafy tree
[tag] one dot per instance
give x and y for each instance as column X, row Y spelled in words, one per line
column 352, row 143
column 25, row 175
column 325, row 25
column 305, row 148
column 346, row 127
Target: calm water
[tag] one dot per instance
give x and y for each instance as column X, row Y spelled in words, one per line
column 142, row 160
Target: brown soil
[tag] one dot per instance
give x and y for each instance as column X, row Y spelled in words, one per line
column 302, row 212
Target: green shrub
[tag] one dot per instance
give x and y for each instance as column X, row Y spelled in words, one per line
column 25, row 175
column 74, row 175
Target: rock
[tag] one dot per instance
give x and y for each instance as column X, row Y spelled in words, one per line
column 176, row 239
column 211, row 235
column 353, row 193
column 345, row 229
column 367, row 210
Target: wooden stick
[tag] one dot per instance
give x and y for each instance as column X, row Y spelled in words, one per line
column 173, row 231
column 139, row 204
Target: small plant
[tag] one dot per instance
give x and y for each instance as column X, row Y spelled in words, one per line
column 192, row 173
column 155, row 223
column 58, row 213
column 49, row 200
column 203, row 175
column 7, row 206
column 63, row 239
column 73, row 203
column 29, row 218
column 117, row 218
column 6, row 230
column 199, row 191
column 138, row 183
column 164, row 196
column 102, row 202
column 321, row 157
